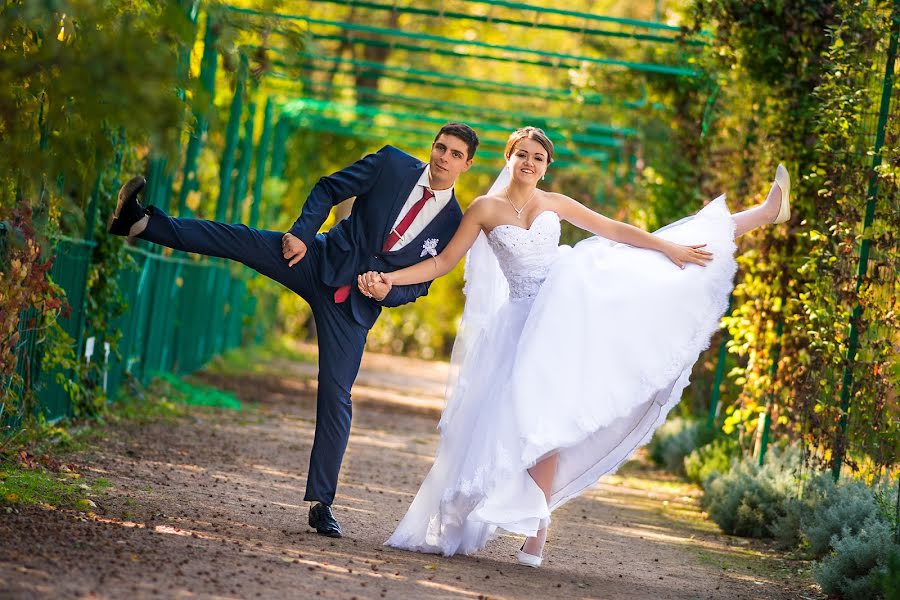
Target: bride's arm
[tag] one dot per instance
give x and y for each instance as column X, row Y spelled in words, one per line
column 581, row 216
column 434, row 267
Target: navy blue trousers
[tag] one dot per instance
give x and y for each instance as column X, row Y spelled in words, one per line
column 341, row 339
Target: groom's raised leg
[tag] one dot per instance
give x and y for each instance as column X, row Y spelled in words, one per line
column 257, row 248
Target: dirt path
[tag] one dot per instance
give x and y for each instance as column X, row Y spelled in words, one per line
column 211, row 506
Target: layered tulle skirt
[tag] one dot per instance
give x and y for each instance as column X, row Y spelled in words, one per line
column 588, row 369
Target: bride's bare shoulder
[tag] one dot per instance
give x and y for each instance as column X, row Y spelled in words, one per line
column 485, row 205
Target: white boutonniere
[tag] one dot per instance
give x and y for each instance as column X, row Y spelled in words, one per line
column 429, row 247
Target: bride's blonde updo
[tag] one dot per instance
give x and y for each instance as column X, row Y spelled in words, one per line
column 535, row 133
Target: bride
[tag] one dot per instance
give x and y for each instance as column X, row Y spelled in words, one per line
column 567, row 359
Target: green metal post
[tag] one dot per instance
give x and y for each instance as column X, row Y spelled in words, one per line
column 279, row 144
column 93, row 206
column 865, row 245
column 231, row 138
column 600, row 192
column 632, row 168
column 716, row 392
column 243, row 174
column 262, row 153
column 155, row 176
column 208, row 80
column 719, row 374
column 155, row 191
column 617, row 177
column 766, row 417
column 44, row 141
column 191, row 10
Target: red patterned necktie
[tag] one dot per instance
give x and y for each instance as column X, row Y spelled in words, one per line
column 342, row 293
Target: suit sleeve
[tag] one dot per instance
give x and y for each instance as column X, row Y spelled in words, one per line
column 403, row 294
column 352, row 181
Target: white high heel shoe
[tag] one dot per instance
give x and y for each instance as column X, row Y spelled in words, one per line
column 529, row 560
column 783, row 179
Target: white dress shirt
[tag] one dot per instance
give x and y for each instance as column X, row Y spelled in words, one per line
column 428, row 212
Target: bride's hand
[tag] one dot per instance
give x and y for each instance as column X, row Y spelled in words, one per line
column 374, row 285
column 682, row 255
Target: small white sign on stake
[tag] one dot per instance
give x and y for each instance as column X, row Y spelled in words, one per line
column 89, row 349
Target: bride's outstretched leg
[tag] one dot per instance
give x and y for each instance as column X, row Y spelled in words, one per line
column 762, row 214
column 543, row 474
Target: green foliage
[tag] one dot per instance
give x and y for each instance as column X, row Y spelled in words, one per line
column 76, row 70
column 801, row 83
column 848, row 98
column 93, row 91
column 859, row 563
column 676, row 439
column 29, row 305
column 748, row 500
column 78, row 73
column 711, row 459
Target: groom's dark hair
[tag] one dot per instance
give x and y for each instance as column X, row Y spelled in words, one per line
column 463, row 132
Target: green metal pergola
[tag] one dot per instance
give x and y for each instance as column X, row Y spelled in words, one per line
column 309, row 91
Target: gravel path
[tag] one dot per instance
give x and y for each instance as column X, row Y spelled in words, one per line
column 211, row 506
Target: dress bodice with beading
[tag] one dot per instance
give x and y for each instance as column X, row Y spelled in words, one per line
column 525, row 255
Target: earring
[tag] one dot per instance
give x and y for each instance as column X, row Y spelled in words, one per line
column 543, row 177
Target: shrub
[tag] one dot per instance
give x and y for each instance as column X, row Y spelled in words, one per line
column 749, row 500
column 786, row 529
column 677, row 438
column 713, row 458
column 859, row 564
column 833, row 509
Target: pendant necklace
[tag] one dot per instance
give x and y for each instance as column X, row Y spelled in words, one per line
column 519, row 210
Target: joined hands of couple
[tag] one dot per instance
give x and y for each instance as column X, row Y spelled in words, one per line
column 372, row 285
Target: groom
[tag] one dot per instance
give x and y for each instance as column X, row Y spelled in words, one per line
column 404, row 210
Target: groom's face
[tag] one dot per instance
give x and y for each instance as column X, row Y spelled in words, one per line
column 449, row 158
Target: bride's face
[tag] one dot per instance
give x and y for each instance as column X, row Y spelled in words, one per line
column 528, row 161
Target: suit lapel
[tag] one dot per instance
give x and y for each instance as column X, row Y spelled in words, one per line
column 408, row 181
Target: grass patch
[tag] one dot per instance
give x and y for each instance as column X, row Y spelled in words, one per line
column 198, row 394
column 24, row 484
column 158, row 401
column 259, row 359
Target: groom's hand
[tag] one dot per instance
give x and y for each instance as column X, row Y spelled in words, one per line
column 374, row 285
column 292, row 248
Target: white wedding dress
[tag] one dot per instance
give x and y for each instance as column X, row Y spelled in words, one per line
column 586, row 357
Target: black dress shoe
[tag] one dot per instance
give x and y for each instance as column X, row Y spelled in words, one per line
column 322, row 520
column 128, row 210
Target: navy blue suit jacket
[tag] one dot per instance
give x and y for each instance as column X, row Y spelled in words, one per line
column 381, row 183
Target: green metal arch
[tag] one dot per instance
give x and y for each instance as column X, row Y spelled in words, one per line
column 511, row 117
column 561, row 58
column 491, row 19
column 452, row 81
